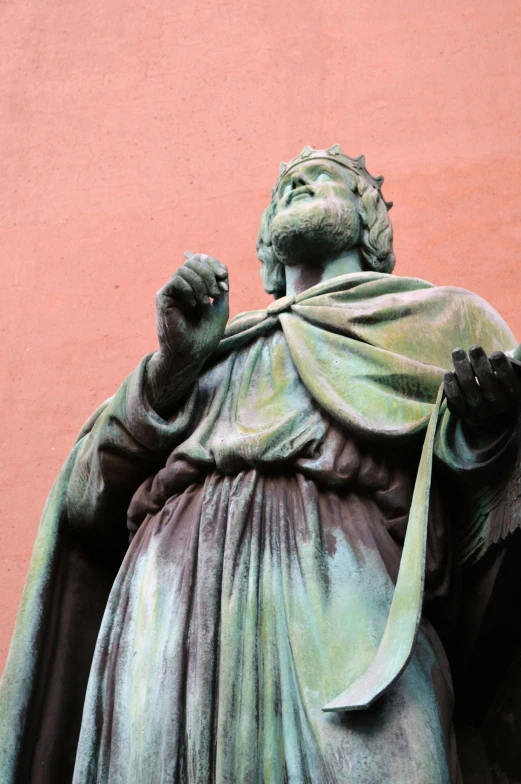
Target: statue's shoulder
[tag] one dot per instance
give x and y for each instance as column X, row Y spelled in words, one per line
column 451, row 294
column 478, row 315
column 244, row 321
column 466, row 298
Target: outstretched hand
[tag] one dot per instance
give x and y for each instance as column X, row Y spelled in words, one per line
column 480, row 387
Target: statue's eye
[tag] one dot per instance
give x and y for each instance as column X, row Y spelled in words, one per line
column 323, row 176
column 286, row 189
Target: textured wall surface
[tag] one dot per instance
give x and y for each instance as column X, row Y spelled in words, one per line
column 130, row 132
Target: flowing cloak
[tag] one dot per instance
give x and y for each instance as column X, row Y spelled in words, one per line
column 370, row 349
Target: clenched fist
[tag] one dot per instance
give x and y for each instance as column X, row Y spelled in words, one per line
column 192, row 311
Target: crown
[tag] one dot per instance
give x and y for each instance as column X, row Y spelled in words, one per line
column 334, row 153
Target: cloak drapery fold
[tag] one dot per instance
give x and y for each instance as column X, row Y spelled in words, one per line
column 45, row 677
column 370, row 348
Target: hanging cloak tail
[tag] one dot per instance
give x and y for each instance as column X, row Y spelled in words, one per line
column 45, row 677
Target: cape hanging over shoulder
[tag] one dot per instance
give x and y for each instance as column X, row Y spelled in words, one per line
column 371, row 348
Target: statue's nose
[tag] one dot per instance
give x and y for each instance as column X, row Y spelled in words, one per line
column 299, row 179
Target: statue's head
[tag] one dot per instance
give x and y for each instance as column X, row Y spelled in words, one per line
column 323, row 203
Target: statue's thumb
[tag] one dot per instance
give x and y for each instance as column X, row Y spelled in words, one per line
column 221, row 303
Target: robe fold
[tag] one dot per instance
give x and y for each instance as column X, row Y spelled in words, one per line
column 267, row 520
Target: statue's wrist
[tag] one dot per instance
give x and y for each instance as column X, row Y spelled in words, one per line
column 484, row 432
column 167, row 381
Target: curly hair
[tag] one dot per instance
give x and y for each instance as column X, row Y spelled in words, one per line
column 376, row 237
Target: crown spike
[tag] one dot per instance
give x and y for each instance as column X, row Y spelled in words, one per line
column 334, row 149
column 379, row 181
column 361, row 161
column 282, row 168
column 306, row 151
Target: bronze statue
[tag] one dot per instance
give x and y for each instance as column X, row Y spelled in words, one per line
column 286, row 548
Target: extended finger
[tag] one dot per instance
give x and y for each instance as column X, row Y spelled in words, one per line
column 506, row 375
column 455, row 400
column 207, row 274
column 466, row 379
column 196, row 282
column 488, row 383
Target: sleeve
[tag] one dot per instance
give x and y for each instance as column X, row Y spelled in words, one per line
column 486, row 466
column 127, row 443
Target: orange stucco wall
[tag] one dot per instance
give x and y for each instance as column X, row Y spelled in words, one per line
column 130, row 132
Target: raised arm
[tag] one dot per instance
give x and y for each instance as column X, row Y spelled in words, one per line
column 189, row 328
column 153, row 410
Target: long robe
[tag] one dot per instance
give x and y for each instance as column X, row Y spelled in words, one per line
column 267, row 520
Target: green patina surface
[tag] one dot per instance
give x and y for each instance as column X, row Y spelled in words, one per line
column 255, row 616
column 370, row 350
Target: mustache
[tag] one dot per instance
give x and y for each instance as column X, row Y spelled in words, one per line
column 298, row 192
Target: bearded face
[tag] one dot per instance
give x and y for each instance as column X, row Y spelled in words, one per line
column 316, row 214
